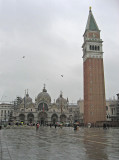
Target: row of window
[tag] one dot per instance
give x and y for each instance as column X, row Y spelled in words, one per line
column 5, row 112
column 113, row 111
column 96, row 48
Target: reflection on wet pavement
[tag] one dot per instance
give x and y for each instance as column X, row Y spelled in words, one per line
column 59, row 144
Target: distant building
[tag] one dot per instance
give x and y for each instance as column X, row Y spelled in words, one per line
column 94, row 87
column 112, row 109
column 45, row 112
column 81, row 110
column 6, row 110
column 74, row 112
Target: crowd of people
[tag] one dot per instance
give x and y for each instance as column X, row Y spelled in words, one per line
column 37, row 125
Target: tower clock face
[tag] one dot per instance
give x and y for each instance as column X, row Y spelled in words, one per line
column 94, row 36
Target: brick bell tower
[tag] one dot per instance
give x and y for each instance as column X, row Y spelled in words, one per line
column 94, row 86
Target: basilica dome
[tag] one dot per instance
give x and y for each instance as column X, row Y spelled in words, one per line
column 43, row 96
column 61, row 100
column 27, row 100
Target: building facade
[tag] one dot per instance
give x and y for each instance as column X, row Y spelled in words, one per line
column 6, row 110
column 43, row 111
column 94, row 87
column 112, row 109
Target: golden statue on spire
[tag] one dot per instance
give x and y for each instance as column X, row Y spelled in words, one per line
column 90, row 8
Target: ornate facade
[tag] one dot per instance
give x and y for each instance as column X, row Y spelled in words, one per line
column 43, row 111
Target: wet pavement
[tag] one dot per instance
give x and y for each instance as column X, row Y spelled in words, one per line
column 59, row 144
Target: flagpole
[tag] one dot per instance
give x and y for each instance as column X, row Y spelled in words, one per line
column 43, row 106
column 24, row 100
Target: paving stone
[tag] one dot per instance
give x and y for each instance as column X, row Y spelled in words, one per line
column 59, row 144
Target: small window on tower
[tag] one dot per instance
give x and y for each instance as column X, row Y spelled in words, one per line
column 98, row 48
column 95, row 47
column 92, row 47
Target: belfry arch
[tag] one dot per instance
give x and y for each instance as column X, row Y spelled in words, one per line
column 22, row 118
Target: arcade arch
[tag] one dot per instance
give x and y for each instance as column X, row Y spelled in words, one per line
column 22, row 118
column 42, row 118
column 54, row 118
column 30, row 118
column 63, row 118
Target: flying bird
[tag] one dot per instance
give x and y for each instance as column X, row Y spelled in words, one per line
column 23, row 57
column 61, row 75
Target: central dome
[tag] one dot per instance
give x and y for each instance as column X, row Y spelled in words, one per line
column 43, row 96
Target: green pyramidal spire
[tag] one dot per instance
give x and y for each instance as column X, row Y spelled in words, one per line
column 91, row 23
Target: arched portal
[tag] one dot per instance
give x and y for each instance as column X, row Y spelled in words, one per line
column 42, row 118
column 54, row 118
column 70, row 118
column 63, row 118
column 22, row 118
column 30, row 118
column 43, row 107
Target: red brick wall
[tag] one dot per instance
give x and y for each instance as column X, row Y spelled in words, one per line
column 94, row 91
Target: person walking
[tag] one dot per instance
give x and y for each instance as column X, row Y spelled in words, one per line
column 37, row 126
column 55, row 125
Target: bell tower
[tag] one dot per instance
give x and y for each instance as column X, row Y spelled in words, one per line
column 94, row 86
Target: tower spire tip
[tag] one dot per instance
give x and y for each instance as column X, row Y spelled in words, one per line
column 90, row 8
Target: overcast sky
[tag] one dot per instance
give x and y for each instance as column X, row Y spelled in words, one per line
column 49, row 33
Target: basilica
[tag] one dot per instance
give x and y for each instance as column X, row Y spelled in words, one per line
column 43, row 111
